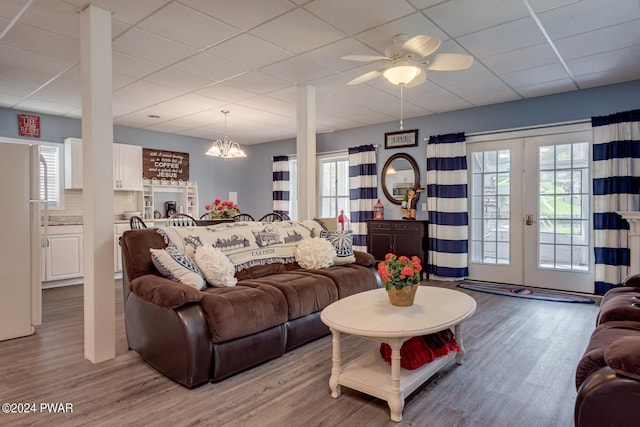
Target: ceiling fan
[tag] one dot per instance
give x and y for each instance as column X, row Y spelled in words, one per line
column 407, row 60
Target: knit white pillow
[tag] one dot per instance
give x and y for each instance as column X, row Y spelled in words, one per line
column 215, row 266
column 315, row 253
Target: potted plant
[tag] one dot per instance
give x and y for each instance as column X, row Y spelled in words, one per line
column 401, row 278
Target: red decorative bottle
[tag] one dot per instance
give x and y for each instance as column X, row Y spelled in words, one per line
column 378, row 210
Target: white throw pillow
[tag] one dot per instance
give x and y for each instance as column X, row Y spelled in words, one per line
column 175, row 265
column 215, row 266
column 315, row 253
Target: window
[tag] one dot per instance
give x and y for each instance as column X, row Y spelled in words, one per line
column 293, row 188
column 333, row 185
column 53, row 181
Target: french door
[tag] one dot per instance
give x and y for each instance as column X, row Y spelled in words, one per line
column 529, row 199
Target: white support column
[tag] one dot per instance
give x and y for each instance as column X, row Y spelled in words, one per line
column 97, row 155
column 306, row 152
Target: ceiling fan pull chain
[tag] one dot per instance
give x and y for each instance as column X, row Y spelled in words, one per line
column 401, row 107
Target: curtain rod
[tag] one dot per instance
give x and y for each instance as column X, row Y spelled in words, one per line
column 493, row 132
column 324, row 153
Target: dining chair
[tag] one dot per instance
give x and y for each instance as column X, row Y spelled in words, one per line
column 271, row 217
column 285, row 217
column 136, row 223
column 181, row 220
column 243, row 217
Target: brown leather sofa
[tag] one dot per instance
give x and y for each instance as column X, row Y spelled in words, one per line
column 608, row 375
column 195, row 336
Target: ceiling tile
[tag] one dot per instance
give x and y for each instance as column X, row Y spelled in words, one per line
column 298, row 31
column 268, row 103
column 520, row 59
column 354, row 16
column 55, row 16
column 44, row 107
column 297, row 70
column 186, row 104
column 125, row 10
column 610, row 76
column 7, row 100
column 492, row 41
column 242, row 14
column 151, row 47
column 588, row 15
column 598, row 41
column 225, row 92
column 144, row 94
column 435, row 98
column 381, row 37
column 211, row 67
column 120, row 80
column 546, row 88
column 33, row 61
column 459, row 17
column 44, row 42
column 627, row 57
column 255, row 51
column 132, row 66
column 178, row 79
column 331, row 55
column 544, row 73
column 185, row 25
column 257, row 82
column 490, row 90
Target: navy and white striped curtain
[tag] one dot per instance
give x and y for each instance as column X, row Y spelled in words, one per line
column 447, row 206
column 616, row 185
column 281, row 185
column 363, row 191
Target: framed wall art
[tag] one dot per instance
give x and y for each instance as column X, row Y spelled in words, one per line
column 403, row 138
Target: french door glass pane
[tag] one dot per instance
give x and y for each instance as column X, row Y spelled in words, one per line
column 490, row 201
column 563, row 207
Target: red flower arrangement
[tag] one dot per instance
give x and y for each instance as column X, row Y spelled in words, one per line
column 399, row 271
column 222, row 209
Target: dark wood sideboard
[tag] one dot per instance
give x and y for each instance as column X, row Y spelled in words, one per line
column 401, row 237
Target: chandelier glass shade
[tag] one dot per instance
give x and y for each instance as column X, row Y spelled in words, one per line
column 401, row 74
column 224, row 147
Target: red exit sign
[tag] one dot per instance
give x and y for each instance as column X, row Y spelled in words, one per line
column 29, row 125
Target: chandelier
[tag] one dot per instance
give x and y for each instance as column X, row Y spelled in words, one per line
column 225, row 148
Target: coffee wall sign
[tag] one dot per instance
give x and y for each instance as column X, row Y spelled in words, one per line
column 162, row 164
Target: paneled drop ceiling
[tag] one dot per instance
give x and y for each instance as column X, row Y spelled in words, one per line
column 177, row 64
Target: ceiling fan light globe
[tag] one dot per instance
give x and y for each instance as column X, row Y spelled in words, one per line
column 401, row 74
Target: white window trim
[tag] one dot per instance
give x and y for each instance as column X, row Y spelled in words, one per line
column 333, row 155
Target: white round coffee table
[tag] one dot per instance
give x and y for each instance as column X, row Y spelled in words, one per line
column 370, row 314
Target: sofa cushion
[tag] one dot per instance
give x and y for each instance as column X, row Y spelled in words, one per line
column 238, row 311
column 315, row 253
column 342, row 241
column 601, row 338
column 620, row 306
column 623, row 356
column 175, row 265
column 349, row 279
column 259, row 271
column 215, row 266
column 303, row 291
column 632, row 280
column 163, row 292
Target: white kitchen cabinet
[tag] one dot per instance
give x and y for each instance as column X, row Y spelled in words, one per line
column 127, row 167
column 63, row 254
column 73, row 164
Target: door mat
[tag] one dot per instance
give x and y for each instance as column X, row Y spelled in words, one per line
column 524, row 292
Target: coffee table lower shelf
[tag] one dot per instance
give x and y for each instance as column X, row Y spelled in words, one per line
column 372, row 375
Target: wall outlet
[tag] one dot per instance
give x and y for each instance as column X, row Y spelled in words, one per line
column 424, row 207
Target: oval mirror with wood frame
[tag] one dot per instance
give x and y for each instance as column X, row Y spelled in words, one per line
column 399, row 174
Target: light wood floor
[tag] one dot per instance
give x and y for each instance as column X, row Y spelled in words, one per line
column 518, row 371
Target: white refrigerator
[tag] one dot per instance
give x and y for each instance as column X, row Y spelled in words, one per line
column 21, row 245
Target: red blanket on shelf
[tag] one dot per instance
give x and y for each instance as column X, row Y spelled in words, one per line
column 417, row 351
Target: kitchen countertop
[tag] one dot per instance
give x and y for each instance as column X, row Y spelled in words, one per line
column 78, row 220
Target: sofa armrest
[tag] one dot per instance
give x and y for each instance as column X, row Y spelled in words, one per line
column 632, row 280
column 163, row 292
column 364, row 258
column 623, row 356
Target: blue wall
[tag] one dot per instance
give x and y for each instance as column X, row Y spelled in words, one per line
column 251, row 177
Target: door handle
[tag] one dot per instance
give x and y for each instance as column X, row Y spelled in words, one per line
column 529, row 219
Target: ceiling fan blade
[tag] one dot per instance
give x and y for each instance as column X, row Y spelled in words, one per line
column 365, row 77
column 449, row 62
column 421, row 45
column 365, row 58
column 418, row 80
